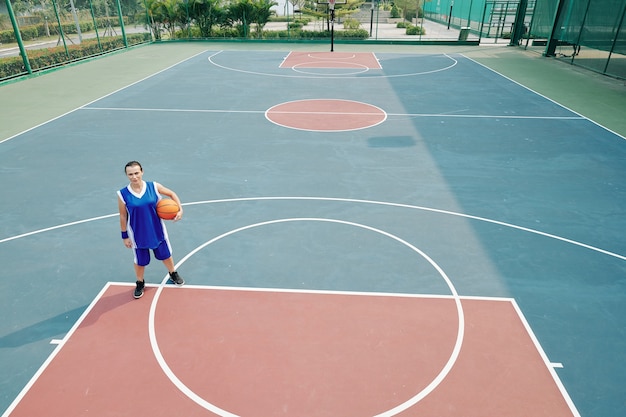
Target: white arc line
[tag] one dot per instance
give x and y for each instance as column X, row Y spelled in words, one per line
column 351, row 200
column 389, row 413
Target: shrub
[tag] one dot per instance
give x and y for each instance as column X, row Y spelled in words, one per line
column 11, row 67
column 351, row 23
column 50, row 57
column 314, row 34
column 415, row 30
column 352, row 34
column 304, row 20
column 396, row 12
column 7, row 36
column 404, row 24
column 32, row 32
column 311, row 34
column 225, row 32
column 271, row 34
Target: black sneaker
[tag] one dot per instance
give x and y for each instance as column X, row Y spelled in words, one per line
column 139, row 289
column 176, row 279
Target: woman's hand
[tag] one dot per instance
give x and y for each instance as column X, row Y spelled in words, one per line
column 179, row 215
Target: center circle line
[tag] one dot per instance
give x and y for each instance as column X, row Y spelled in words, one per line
column 389, row 413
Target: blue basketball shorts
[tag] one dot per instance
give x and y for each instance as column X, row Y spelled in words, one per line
column 162, row 252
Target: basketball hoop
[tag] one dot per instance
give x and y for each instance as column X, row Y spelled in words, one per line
column 331, row 10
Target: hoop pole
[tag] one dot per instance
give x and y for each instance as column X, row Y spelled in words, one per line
column 331, row 6
column 332, row 30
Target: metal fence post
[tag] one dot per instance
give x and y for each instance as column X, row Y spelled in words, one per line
column 18, row 37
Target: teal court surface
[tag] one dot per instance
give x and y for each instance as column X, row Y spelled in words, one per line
column 364, row 234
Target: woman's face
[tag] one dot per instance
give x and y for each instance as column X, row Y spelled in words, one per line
column 134, row 174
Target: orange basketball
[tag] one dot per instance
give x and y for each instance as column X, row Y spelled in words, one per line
column 167, row 208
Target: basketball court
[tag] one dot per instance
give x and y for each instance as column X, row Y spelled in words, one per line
column 364, row 234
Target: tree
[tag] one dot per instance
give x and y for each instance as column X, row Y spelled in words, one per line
column 247, row 12
column 242, row 12
column 298, row 5
column 409, row 8
column 130, row 8
column 262, row 14
column 155, row 16
column 205, row 14
column 5, row 22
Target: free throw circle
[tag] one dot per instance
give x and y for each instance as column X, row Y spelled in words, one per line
column 326, row 115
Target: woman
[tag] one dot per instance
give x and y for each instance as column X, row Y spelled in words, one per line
column 142, row 229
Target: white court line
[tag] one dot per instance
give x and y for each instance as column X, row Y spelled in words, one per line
column 100, row 98
column 548, row 364
column 351, row 200
column 338, row 292
column 343, row 71
column 328, row 113
column 460, row 116
column 545, row 97
column 429, row 209
column 171, row 110
column 54, row 353
column 488, row 116
column 326, row 56
column 60, row 226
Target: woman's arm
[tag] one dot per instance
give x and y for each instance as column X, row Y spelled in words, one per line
column 123, row 220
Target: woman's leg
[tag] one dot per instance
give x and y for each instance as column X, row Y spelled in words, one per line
column 169, row 264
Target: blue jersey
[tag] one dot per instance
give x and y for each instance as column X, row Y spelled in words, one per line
column 145, row 229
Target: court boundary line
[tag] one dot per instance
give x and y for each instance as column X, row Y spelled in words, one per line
column 58, row 346
column 546, row 360
column 545, row 97
column 100, row 98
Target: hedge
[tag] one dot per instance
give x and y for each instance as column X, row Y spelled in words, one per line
column 49, row 57
column 33, row 32
column 278, row 34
